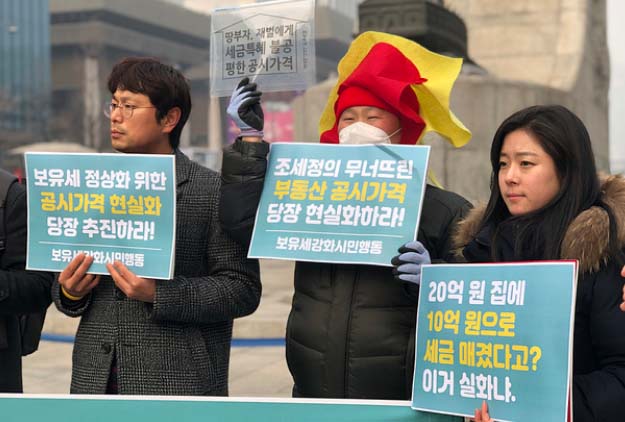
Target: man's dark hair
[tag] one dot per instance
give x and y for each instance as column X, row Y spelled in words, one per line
column 165, row 86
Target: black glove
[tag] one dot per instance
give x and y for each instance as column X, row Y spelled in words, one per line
column 245, row 109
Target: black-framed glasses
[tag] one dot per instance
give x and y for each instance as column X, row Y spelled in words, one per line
column 125, row 109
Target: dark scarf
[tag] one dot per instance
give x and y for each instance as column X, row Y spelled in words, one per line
column 481, row 248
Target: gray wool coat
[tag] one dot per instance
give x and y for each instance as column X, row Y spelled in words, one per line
column 180, row 344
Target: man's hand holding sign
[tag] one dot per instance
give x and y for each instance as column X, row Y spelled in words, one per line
column 75, row 282
column 138, row 288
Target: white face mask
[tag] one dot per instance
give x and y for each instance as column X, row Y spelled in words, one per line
column 360, row 133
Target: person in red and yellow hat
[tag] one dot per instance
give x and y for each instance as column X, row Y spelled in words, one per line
column 350, row 333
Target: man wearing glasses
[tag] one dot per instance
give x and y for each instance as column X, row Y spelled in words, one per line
column 165, row 337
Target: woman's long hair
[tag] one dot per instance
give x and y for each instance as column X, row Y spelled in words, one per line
column 539, row 234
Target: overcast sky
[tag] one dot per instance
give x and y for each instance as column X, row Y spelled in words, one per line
column 616, row 39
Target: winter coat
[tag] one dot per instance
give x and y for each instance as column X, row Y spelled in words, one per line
column 599, row 332
column 350, row 332
column 180, row 344
column 21, row 291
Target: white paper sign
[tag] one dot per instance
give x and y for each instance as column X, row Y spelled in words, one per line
column 272, row 43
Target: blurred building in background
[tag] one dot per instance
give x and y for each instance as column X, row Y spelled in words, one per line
column 89, row 36
column 24, row 72
column 57, row 55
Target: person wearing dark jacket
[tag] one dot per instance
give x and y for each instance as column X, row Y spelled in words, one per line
column 160, row 337
column 350, row 332
column 21, row 292
column 547, row 202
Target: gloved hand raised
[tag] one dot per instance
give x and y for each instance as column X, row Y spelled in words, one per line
column 409, row 261
column 245, row 109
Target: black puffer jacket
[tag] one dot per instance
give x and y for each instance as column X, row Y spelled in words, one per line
column 599, row 336
column 351, row 328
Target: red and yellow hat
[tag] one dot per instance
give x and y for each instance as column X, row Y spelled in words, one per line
column 398, row 75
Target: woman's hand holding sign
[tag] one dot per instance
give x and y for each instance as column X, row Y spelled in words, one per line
column 481, row 415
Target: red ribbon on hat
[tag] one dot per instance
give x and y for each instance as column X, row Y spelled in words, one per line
column 383, row 79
